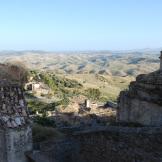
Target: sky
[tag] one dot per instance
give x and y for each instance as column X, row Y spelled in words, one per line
column 63, row 25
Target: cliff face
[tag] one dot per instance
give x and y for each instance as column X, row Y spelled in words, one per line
column 142, row 103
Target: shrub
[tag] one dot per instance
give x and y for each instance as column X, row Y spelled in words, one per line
column 41, row 107
column 93, row 93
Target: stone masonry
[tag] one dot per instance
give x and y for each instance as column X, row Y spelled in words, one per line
column 142, row 103
column 15, row 130
column 104, row 144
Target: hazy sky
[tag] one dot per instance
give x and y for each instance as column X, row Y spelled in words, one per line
column 80, row 24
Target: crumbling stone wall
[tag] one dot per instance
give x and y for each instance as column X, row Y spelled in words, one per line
column 13, row 108
column 15, row 129
column 105, row 144
column 17, row 143
column 3, row 147
column 121, row 145
column 142, row 103
column 65, row 150
column 14, row 144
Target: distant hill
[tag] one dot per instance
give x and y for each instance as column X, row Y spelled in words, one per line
column 116, row 63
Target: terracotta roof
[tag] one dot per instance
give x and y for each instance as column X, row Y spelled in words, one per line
column 13, row 108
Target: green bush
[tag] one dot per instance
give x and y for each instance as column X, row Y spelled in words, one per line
column 41, row 107
column 93, row 93
column 54, row 82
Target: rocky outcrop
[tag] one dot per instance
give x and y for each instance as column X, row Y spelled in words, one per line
column 142, row 103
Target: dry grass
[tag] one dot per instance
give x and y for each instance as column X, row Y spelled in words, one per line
column 110, row 86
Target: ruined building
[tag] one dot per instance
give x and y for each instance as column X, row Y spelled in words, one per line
column 15, row 130
column 142, row 103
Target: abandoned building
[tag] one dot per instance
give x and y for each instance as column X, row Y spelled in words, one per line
column 37, row 87
column 15, row 130
column 142, row 103
column 32, row 86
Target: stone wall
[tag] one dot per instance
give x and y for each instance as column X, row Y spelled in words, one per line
column 14, row 143
column 15, row 129
column 65, row 150
column 121, row 145
column 13, row 108
column 3, row 153
column 139, row 111
column 105, row 144
column 18, row 141
column 142, row 103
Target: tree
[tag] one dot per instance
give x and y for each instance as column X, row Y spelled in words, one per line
column 93, row 93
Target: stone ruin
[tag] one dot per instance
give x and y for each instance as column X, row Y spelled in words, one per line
column 15, row 131
column 142, row 103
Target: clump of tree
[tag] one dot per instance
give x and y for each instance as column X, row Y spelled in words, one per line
column 49, row 80
column 63, row 88
column 93, row 93
column 55, row 82
column 41, row 107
